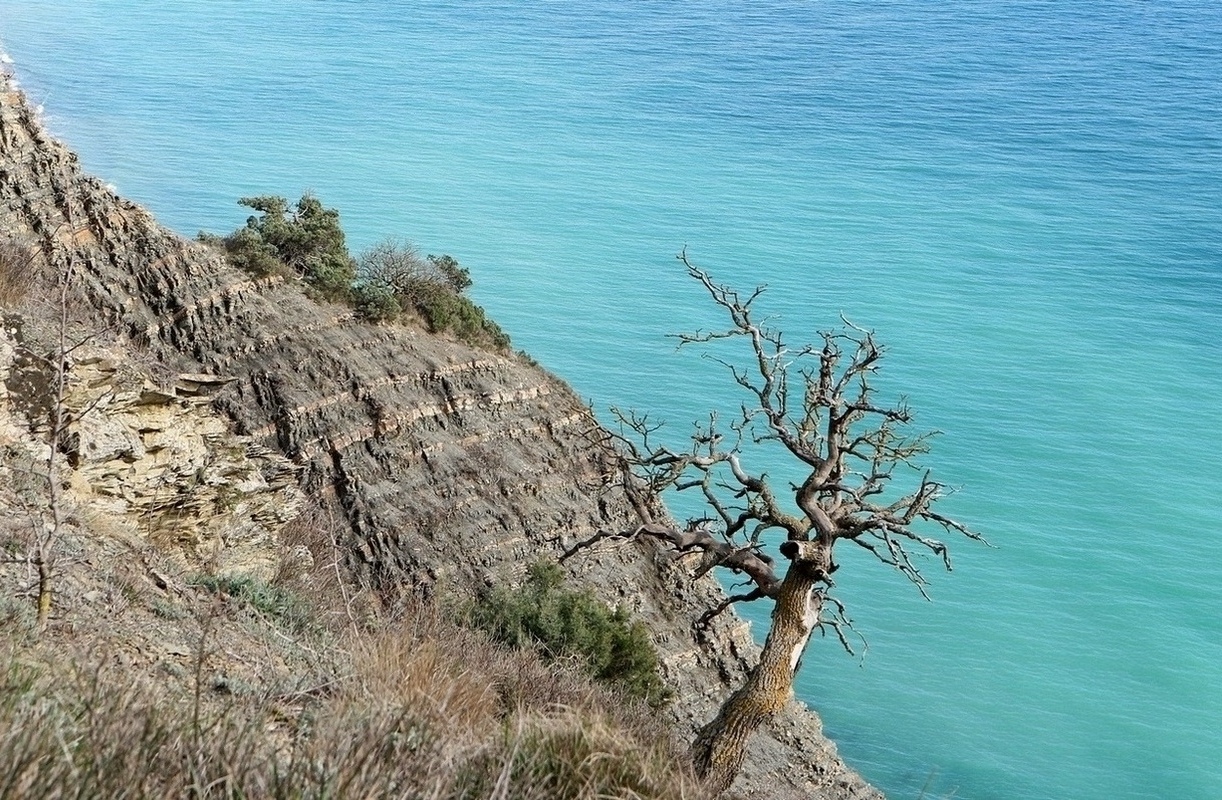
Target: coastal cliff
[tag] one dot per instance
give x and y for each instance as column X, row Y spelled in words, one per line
column 212, row 408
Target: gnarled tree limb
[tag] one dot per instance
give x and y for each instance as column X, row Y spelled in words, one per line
column 817, row 403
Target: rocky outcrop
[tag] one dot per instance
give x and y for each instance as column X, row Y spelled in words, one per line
column 156, row 461
column 451, row 467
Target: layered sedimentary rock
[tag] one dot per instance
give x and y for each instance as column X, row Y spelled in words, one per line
column 450, row 467
column 154, row 460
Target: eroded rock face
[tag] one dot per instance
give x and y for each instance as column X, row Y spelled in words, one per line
column 158, row 462
column 452, row 467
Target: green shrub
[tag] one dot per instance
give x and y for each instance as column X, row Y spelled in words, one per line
column 271, row 601
column 560, row 623
column 443, row 311
column 389, row 279
column 457, row 277
column 375, row 302
column 247, row 251
column 432, row 287
column 305, row 240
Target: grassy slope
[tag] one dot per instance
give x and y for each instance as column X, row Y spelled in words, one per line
column 300, row 689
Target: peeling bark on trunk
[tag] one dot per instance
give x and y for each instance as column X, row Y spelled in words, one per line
column 721, row 746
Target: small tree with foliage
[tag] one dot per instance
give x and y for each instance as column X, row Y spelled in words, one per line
column 306, row 239
column 394, row 278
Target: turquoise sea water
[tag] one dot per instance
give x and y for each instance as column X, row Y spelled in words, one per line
column 1024, row 199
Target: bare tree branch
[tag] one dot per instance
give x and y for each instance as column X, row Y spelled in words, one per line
column 817, row 403
column 708, row 616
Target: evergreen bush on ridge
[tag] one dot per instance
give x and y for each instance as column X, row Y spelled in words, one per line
column 386, row 283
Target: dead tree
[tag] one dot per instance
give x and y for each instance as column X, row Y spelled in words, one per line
column 49, row 518
column 47, row 537
column 816, row 403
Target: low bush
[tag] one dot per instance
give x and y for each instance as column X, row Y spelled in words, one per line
column 445, row 311
column 395, row 279
column 376, row 303
column 279, row 605
column 248, row 252
column 305, row 240
column 561, row 622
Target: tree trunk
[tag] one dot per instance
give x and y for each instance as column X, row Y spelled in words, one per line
column 721, row 745
column 44, row 593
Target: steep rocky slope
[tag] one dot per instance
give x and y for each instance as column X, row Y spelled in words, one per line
column 217, row 402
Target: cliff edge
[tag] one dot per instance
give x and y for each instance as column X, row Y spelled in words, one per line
column 220, row 406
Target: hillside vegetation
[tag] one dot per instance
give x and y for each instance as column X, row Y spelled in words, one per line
column 389, row 282
column 215, row 687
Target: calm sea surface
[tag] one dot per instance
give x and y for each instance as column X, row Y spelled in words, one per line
column 1024, row 199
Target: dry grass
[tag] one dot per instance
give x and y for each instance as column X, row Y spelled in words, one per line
column 419, row 708
column 18, row 273
column 178, row 687
column 312, row 566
